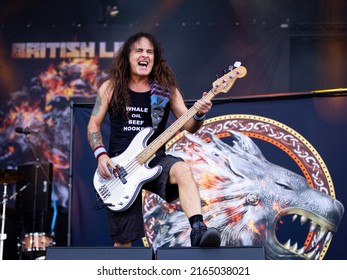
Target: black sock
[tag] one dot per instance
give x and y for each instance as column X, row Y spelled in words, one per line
column 195, row 218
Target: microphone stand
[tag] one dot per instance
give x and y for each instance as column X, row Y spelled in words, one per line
column 37, row 166
column 3, row 234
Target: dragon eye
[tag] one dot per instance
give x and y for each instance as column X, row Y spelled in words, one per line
column 284, row 186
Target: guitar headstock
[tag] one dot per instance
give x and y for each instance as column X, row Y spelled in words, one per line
column 224, row 83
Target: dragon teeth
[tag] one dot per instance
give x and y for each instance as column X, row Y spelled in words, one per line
column 287, row 244
column 321, row 234
column 311, row 254
column 313, row 226
column 327, row 238
column 294, row 247
column 303, row 220
column 314, row 254
column 301, row 251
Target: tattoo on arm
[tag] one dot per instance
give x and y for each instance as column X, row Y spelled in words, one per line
column 95, row 139
column 97, row 105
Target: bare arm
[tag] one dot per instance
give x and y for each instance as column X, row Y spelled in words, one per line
column 94, row 125
column 178, row 108
column 94, row 128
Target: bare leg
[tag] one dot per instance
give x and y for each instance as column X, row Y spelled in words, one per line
column 122, row 244
column 181, row 174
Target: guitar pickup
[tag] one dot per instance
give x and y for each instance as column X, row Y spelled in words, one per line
column 122, row 178
column 121, row 173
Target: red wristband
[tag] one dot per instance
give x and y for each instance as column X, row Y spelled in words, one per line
column 99, row 151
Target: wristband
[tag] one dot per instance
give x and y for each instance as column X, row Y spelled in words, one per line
column 199, row 118
column 99, row 151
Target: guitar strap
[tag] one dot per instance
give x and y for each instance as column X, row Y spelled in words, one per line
column 160, row 96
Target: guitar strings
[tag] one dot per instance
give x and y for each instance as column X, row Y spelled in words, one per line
column 134, row 164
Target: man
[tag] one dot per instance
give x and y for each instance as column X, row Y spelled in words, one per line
column 140, row 92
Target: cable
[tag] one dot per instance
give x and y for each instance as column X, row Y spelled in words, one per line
column 55, row 211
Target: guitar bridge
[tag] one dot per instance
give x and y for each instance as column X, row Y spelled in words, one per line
column 104, row 192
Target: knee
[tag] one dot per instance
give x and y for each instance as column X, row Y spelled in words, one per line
column 180, row 171
column 181, row 167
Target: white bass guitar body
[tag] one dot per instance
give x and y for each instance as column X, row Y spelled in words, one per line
column 119, row 192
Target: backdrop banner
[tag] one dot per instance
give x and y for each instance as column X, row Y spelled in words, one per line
column 52, row 73
column 45, row 68
column 270, row 172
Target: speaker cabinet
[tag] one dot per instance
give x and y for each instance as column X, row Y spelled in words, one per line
column 99, row 253
column 207, row 253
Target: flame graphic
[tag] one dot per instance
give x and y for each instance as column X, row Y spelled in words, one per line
column 44, row 106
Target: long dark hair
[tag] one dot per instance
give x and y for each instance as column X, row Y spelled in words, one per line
column 120, row 72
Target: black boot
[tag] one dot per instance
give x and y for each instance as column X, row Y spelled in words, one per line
column 201, row 236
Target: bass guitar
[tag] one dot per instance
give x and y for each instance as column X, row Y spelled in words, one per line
column 120, row 190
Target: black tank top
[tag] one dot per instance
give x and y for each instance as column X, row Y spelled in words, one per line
column 122, row 130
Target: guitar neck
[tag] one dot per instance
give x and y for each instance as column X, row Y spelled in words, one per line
column 222, row 84
column 151, row 149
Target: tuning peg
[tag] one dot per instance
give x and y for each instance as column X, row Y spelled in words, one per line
column 237, row 64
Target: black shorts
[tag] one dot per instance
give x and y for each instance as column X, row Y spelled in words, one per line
column 128, row 225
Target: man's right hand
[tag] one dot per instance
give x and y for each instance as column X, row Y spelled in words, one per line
column 105, row 164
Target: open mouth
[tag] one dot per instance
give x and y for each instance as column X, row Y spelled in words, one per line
column 143, row 64
column 303, row 236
